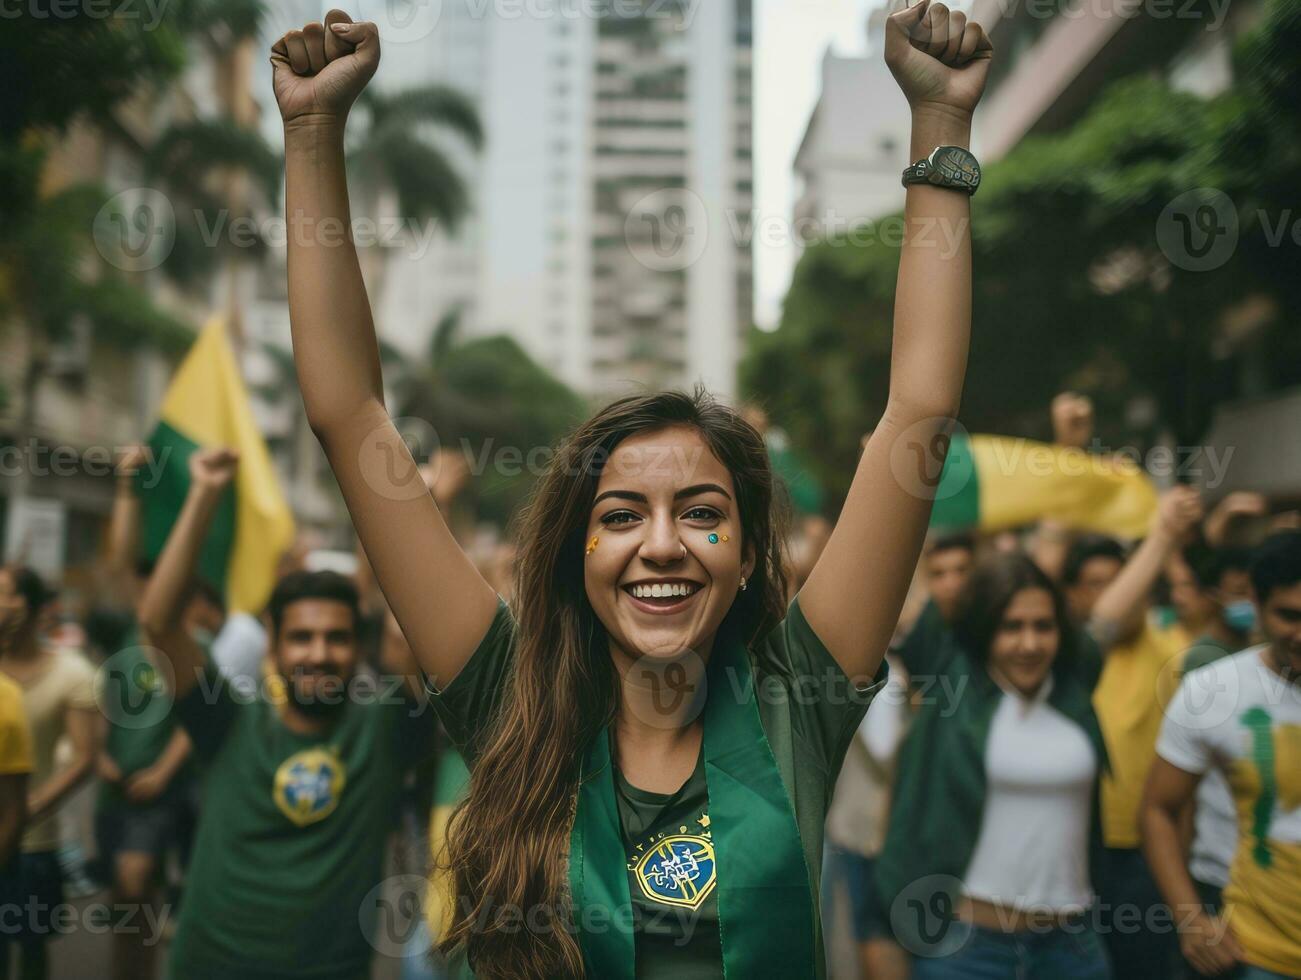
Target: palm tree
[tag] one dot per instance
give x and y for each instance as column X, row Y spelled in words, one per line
column 394, row 149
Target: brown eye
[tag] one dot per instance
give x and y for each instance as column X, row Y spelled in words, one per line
column 617, row 517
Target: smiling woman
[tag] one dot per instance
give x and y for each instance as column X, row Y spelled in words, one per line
column 649, row 775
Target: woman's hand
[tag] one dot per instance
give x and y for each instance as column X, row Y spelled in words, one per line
column 938, row 58
column 320, row 70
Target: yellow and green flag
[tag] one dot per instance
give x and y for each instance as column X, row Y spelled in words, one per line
column 208, row 406
column 994, row 483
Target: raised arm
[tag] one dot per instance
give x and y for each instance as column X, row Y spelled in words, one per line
column 1118, row 613
column 442, row 603
column 855, row 592
column 163, row 604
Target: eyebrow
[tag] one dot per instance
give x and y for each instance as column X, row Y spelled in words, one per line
column 640, row 498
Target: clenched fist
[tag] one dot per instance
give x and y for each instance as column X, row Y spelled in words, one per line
column 937, row 57
column 320, row 70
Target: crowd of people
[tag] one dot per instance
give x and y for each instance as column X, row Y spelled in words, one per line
column 1089, row 767
column 1084, row 763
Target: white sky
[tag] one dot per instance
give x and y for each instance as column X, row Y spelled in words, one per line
column 790, row 37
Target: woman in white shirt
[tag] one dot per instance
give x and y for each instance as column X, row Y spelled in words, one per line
column 987, row 858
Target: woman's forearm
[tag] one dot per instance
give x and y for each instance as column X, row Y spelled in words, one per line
column 334, row 335
column 932, row 313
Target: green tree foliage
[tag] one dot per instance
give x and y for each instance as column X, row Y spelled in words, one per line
column 489, row 397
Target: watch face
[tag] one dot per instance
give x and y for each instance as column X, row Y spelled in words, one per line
column 955, row 167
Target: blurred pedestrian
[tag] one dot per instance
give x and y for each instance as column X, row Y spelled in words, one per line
column 1139, row 676
column 58, row 688
column 301, row 785
column 986, row 865
column 1242, row 715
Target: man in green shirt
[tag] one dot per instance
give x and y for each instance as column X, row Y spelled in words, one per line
column 301, row 783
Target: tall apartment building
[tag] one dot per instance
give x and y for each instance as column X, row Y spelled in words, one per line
column 615, row 192
column 610, row 203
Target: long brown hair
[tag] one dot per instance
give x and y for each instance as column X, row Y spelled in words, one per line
column 508, row 842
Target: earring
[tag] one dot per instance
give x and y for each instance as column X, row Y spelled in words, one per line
column 742, row 583
column 591, row 545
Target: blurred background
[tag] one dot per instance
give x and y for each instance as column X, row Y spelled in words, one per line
column 562, row 201
column 571, row 199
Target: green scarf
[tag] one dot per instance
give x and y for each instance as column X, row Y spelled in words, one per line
column 759, row 861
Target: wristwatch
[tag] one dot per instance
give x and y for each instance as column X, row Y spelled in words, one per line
column 947, row 166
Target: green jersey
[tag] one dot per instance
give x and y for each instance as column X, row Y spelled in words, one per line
column 292, row 834
column 141, row 722
column 809, row 711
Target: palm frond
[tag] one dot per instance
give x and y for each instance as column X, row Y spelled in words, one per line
column 439, row 104
column 426, row 183
column 185, row 154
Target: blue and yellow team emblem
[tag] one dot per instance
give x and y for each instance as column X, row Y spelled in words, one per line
column 308, row 785
column 678, row 870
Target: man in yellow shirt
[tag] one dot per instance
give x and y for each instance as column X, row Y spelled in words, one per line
column 1138, row 679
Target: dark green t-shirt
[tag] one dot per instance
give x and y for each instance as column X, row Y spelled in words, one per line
column 292, row 834
column 141, row 722
column 809, row 711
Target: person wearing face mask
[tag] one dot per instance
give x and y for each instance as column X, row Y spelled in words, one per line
column 1240, row 716
column 652, row 731
column 1221, row 594
column 301, row 784
column 988, row 864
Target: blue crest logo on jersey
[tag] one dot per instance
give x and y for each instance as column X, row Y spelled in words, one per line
column 308, row 785
column 678, row 870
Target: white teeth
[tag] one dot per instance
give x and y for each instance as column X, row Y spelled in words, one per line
column 662, row 591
